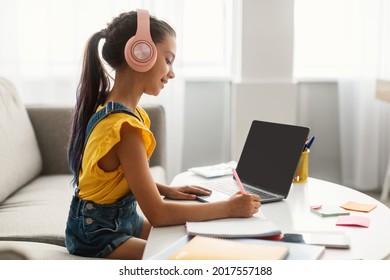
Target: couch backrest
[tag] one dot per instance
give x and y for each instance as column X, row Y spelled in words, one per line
column 52, row 129
column 20, row 159
column 157, row 119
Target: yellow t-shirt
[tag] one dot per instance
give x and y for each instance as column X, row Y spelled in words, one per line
column 107, row 187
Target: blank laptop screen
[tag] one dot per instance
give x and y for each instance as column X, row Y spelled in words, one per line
column 270, row 155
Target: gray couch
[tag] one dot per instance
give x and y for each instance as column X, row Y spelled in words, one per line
column 35, row 188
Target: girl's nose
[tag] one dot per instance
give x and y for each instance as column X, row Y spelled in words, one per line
column 171, row 74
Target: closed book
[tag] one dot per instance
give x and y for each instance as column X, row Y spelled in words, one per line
column 207, row 248
column 296, row 251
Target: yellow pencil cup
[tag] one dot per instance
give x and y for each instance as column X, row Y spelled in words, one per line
column 302, row 171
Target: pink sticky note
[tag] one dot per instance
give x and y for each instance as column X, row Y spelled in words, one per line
column 353, row 221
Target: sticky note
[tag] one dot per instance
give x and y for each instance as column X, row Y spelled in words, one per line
column 355, row 206
column 329, row 211
column 353, row 221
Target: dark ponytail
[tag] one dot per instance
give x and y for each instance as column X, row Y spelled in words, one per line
column 91, row 92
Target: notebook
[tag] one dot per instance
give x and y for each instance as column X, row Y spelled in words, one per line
column 267, row 163
column 296, row 251
column 207, row 248
column 256, row 226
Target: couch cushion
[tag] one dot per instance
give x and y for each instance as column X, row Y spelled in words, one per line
column 20, row 159
column 38, row 212
column 35, row 251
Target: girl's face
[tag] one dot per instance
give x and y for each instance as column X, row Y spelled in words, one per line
column 162, row 71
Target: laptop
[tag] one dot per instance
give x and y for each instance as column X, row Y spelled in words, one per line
column 267, row 163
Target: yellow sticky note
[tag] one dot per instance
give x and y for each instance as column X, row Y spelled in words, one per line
column 355, row 206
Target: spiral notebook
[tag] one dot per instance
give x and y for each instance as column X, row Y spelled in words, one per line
column 256, row 226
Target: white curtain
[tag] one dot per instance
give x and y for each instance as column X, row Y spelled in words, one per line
column 364, row 121
column 42, row 44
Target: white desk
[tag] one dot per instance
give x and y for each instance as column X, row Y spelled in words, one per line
column 293, row 214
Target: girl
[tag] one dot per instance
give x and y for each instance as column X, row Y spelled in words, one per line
column 111, row 143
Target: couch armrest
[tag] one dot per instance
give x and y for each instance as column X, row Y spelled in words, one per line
column 52, row 129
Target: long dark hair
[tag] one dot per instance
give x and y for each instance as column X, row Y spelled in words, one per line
column 95, row 81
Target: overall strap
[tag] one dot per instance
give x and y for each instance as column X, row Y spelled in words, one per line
column 111, row 108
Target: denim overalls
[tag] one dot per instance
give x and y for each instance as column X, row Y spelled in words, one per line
column 96, row 230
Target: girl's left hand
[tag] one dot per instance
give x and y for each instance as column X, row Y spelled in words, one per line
column 186, row 192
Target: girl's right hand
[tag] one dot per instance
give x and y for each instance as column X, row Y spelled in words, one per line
column 243, row 205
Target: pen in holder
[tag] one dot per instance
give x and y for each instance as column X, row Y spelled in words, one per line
column 302, row 171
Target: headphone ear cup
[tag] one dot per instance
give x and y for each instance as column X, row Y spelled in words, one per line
column 140, row 51
column 140, row 55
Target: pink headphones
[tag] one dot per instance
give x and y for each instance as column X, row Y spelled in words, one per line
column 140, row 51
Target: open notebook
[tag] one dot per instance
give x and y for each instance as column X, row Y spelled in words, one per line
column 256, row 226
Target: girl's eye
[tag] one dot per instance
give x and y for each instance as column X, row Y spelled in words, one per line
column 168, row 61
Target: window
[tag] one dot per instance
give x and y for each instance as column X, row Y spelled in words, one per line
column 318, row 37
column 207, row 38
column 43, row 40
column 335, row 38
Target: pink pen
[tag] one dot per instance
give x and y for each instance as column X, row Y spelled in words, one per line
column 238, row 181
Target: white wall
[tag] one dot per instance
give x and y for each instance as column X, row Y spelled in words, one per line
column 207, row 140
column 318, row 108
column 264, row 88
column 207, row 123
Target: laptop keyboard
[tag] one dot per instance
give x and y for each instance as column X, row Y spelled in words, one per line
column 230, row 187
